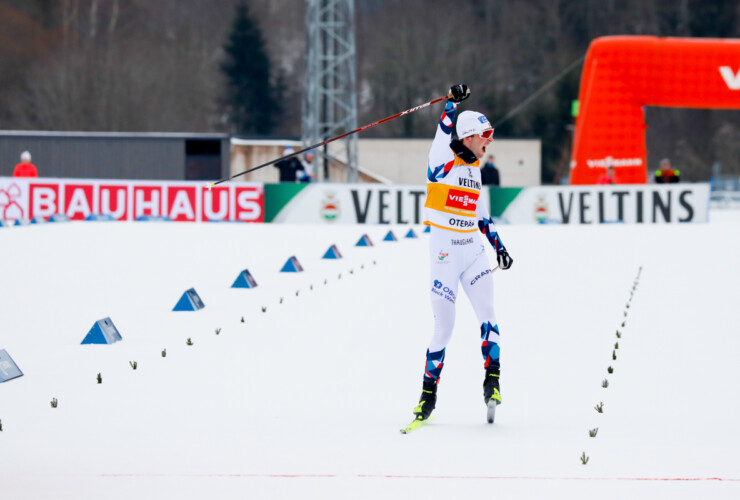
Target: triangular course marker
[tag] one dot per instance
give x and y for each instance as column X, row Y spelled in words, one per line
column 292, row 266
column 189, row 301
column 364, row 241
column 100, row 217
column 244, row 280
column 428, row 229
column 8, row 369
column 102, row 332
column 153, row 218
column 332, row 253
column 390, row 237
column 411, row 234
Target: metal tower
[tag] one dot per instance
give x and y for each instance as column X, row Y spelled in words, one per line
column 330, row 89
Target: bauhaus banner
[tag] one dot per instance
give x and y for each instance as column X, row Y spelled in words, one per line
column 23, row 198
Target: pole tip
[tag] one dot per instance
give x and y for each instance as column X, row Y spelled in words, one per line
column 210, row 186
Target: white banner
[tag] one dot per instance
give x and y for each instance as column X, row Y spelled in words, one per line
column 358, row 204
column 26, row 198
column 639, row 204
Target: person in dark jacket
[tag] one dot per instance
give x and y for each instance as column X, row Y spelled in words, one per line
column 489, row 173
column 289, row 167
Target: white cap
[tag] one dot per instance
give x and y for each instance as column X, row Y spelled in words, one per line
column 471, row 123
column 288, row 150
column 26, row 156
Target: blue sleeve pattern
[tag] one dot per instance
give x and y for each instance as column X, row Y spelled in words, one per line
column 448, row 117
column 487, row 227
column 439, row 172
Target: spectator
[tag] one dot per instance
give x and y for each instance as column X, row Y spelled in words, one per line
column 665, row 174
column 289, row 167
column 608, row 177
column 489, row 173
column 308, row 174
column 25, row 168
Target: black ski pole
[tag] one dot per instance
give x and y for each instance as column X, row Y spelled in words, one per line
column 327, row 141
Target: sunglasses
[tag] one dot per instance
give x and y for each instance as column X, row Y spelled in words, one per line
column 486, row 134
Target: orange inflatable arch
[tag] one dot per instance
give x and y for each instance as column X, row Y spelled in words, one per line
column 622, row 74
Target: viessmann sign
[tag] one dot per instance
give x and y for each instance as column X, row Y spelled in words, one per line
column 22, row 198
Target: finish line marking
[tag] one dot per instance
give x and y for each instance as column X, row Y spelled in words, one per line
column 400, row 476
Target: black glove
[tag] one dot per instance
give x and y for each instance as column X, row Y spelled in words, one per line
column 504, row 259
column 459, row 92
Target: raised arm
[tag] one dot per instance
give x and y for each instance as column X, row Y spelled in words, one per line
column 440, row 155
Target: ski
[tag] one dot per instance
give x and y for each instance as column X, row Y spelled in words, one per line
column 414, row 425
column 491, row 410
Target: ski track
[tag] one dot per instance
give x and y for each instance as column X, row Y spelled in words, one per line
column 306, row 399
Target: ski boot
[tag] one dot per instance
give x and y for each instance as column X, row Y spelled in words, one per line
column 491, row 393
column 427, row 401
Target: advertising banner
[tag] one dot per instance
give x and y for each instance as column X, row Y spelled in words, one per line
column 637, row 204
column 182, row 201
column 346, row 203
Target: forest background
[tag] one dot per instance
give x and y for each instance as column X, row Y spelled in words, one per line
column 173, row 66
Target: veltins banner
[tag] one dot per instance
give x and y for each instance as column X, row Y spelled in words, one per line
column 346, row 203
column 24, row 198
column 638, row 204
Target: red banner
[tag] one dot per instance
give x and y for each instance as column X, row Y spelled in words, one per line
column 25, row 198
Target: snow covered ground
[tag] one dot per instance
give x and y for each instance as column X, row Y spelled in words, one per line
column 305, row 399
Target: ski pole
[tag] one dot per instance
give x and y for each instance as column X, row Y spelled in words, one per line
column 327, row 141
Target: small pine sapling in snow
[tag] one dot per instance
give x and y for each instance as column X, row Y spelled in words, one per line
column 614, row 355
column 599, row 407
column 584, row 458
column 610, row 369
column 351, row 271
column 100, row 379
column 593, row 432
column 297, row 292
column 623, row 322
column 281, row 301
column 619, row 334
column 605, row 383
column 189, row 341
column 242, row 319
column 54, row 402
column 1, row 426
column 218, row 330
column 340, row 276
column 616, row 345
column 264, row 309
column 164, row 353
column 133, row 364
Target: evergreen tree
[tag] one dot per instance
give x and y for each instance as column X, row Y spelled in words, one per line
column 250, row 99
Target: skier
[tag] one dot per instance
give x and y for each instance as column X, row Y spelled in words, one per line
column 454, row 214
